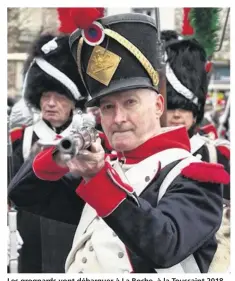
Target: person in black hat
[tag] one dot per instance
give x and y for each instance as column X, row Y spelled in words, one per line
column 53, row 91
column 186, row 74
column 186, row 96
column 51, row 87
column 138, row 211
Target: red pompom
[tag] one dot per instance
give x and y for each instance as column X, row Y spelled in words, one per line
column 187, row 28
column 84, row 17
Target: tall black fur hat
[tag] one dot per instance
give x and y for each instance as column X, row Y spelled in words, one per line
column 124, row 58
column 51, row 67
column 186, row 75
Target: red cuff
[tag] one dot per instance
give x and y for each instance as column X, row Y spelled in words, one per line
column 105, row 192
column 46, row 168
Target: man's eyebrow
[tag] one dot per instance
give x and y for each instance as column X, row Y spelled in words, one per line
column 104, row 101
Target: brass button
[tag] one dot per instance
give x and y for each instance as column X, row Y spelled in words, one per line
column 91, row 248
column 120, row 255
column 84, row 259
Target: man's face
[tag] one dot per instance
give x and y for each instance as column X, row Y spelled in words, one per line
column 131, row 117
column 55, row 108
column 176, row 117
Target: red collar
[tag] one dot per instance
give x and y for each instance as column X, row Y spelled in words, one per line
column 172, row 138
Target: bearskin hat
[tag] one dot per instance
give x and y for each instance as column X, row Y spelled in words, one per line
column 51, row 67
column 186, row 76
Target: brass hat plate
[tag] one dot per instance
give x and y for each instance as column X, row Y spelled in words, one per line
column 102, row 65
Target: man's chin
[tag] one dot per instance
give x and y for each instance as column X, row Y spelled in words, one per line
column 50, row 119
column 123, row 146
column 53, row 121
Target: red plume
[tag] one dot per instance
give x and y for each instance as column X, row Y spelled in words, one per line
column 84, row 17
column 73, row 18
column 67, row 25
column 187, row 28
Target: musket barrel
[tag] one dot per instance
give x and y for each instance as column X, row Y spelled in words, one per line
column 79, row 141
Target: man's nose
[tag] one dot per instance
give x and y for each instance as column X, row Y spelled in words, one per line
column 120, row 115
column 51, row 101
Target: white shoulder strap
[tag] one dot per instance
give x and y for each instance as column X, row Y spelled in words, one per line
column 188, row 265
column 212, row 153
column 174, row 173
column 27, row 141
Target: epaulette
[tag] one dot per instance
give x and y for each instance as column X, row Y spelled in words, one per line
column 206, row 172
column 16, row 133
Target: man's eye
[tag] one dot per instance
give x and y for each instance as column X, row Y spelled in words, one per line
column 131, row 102
column 61, row 97
column 107, row 106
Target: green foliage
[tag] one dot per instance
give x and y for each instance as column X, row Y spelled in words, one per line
column 206, row 24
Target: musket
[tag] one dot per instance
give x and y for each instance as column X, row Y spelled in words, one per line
column 12, row 213
column 161, row 68
column 71, row 145
column 79, row 141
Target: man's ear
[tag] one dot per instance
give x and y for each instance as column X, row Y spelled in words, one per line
column 159, row 105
